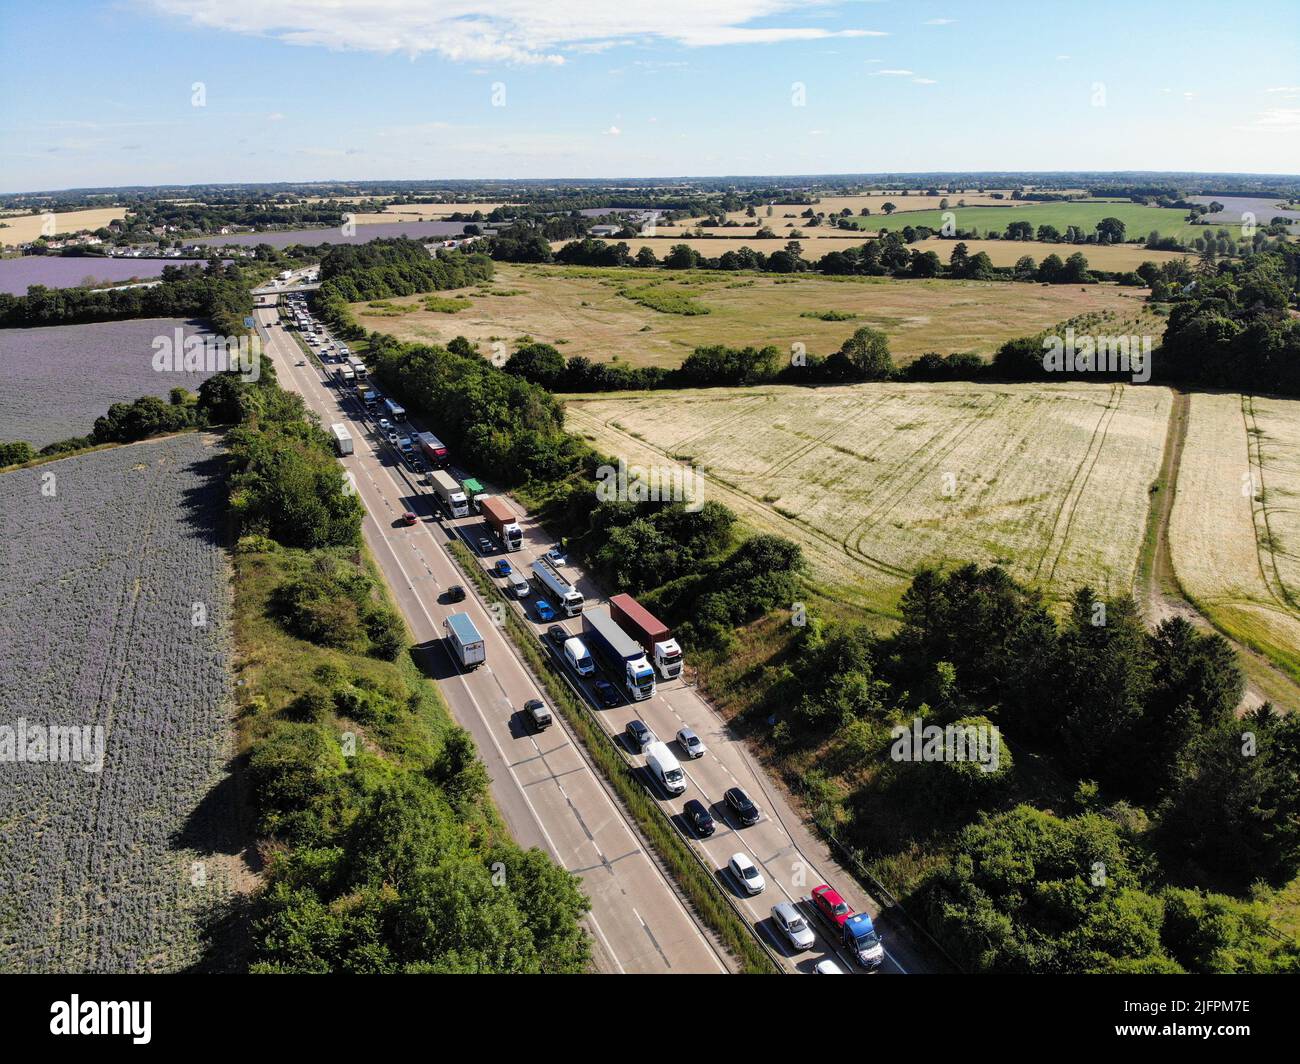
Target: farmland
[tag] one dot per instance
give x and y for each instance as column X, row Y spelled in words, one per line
column 55, row 381
column 1138, row 219
column 914, row 200
column 584, row 312
column 1235, row 529
column 57, row 271
column 876, row 481
column 104, row 573
column 21, row 228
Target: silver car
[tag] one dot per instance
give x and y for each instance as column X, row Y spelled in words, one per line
column 793, row 925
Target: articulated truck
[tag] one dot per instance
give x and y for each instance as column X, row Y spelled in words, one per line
column 620, row 652
column 569, row 597
column 503, row 521
column 433, row 449
column 446, row 488
column 465, row 642
column 396, row 412
column 342, row 438
column 652, row 634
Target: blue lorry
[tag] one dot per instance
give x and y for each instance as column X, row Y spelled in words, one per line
column 620, row 652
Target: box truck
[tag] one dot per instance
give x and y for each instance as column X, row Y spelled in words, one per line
column 342, row 438
column 651, row 633
column 446, row 488
column 358, row 367
column 465, row 642
column 343, row 375
column 620, row 652
column 664, row 767
column 435, row 453
column 473, row 489
column 502, row 521
column 570, row 598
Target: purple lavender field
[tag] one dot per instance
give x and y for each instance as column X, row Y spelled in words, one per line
column 54, row 381
column 364, row 234
column 55, row 271
column 114, row 869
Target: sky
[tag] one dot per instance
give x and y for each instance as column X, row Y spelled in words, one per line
column 123, row 92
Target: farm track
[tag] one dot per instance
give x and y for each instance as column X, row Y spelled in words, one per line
column 1161, row 595
column 1259, row 511
column 1068, row 506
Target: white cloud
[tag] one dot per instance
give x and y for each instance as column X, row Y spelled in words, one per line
column 613, row 131
column 501, row 31
column 925, row 81
column 1275, row 120
column 1062, row 58
column 940, row 21
column 1285, row 88
column 275, row 116
column 891, row 74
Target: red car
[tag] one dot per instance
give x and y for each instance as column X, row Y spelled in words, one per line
column 409, row 518
column 832, row 907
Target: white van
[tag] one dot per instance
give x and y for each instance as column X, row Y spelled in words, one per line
column 519, row 585
column 664, row 766
column 577, row 655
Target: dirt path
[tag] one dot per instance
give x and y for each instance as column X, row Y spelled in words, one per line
column 1158, row 592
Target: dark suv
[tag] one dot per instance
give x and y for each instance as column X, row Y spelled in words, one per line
column 699, row 818
column 739, row 803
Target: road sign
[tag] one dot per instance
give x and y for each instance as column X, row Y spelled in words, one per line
column 248, row 323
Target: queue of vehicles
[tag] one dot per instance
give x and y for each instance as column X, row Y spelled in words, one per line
column 633, row 644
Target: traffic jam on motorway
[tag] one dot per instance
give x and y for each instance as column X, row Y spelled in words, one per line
column 619, row 657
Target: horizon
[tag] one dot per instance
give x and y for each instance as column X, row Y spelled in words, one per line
column 280, row 90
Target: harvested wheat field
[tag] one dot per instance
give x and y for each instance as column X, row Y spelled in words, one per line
column 878, row 480
column 1235, row 529
column 20, row 228
column 423, row 212
column 915, row 200
column 608, row 314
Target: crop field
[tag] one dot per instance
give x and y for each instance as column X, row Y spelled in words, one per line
column 423, row 212
column 114, row 870
column 915, row 200
column 57, row 271
column 20, row 228
column 1137, row 218
column 55, row 381
column 603, row 313
column 878, row 480
column 1235, row 529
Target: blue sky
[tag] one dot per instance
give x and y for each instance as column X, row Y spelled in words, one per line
column 100, row 92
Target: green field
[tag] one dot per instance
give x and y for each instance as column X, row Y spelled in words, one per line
column 1139, row 220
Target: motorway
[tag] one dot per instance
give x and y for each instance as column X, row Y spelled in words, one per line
column 547, row 793
column 791, row 859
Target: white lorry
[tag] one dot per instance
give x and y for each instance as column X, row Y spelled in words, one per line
column 444, row 484
column 342, row 438
column 569, row 597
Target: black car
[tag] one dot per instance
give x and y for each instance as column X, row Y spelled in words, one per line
column 607, row 694
column 557, row 634
column 455, row 593
column 638, row 735
column 699, row 818
column 739, row 803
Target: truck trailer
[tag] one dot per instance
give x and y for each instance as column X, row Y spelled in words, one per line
column 358, row 367
column 342, row 438
column 620, row 652
column 465, row 642
column 502, row 521
column 433, row 449
column 651, row 633
column 446, row 488
column 396, row 412
column 570, row 598
column 343, row 375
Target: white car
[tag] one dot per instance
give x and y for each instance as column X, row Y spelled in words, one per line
column 392, row 438
column 747, row 874
column 827, row 967
column 385, row 425
column 690, row 743
column 793, row 926
column 556, row 556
